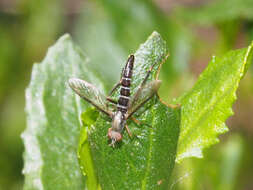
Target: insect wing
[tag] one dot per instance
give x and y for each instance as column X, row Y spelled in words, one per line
column 90, row 93
column 143, row 95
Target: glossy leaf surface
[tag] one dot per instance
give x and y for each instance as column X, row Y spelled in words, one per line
column 53, row 124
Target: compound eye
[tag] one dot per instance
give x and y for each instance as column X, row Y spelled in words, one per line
column 118, row 137
column 114, row 135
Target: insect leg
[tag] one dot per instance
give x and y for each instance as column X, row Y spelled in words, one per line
column 138, row 122
column 143, row 83
column 114, row 102
column 117, row 85
column 128, row 131
column 108, row 98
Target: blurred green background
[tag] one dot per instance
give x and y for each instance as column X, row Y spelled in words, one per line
column 109, row 30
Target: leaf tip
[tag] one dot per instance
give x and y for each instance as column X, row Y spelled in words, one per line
column 65, row 37
column 155, row 33
column 156, row 36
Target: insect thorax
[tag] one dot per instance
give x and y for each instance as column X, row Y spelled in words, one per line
column 118, row 121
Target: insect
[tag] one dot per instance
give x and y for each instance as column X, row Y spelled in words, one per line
column 126, row 105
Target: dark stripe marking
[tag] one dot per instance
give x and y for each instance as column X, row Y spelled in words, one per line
column 124, row 98
column 122, row 108
column 126, row 83
column 125, row 92
column 123, row 101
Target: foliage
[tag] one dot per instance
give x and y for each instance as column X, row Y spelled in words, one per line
column 146, row 160
column 110, row 30
column 53, row 127
column 208, row 104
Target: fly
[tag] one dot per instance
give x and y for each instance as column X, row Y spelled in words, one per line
column 125, row 106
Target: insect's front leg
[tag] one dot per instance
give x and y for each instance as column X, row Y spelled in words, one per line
column 138, row 122
column 116, row 86
column 130, row 134
column 128, row 131
column 108, row 98
column 135, row 135
column 114, row 102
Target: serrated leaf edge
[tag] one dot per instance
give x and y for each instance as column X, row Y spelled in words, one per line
column 199, row 151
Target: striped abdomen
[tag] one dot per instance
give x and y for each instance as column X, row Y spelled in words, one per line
column 125, row 85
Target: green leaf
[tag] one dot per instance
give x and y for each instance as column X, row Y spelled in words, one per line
column 146, row 160
column 208, row 104
column 53, row 124
column 88, row 117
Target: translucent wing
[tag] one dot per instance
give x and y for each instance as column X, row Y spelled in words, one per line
column 142, row 95
column 90, row 93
